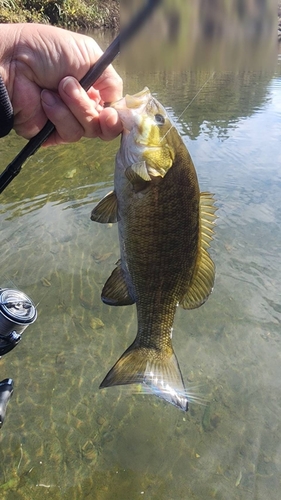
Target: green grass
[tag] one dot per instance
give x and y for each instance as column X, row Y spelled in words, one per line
column 84, row 14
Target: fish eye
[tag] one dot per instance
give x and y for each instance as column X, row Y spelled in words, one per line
column 160, row 120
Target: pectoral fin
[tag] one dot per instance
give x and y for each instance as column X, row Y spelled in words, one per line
column 138, row 176
column 106, row 210
column 202, row 282
column 115, row 291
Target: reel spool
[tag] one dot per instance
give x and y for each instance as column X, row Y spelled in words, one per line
column 17, row 312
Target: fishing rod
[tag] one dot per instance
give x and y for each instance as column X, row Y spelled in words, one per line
column 13, row 169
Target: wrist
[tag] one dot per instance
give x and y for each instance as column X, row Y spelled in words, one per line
column 9, row 37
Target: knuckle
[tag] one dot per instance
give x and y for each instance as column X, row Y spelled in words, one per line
column 71, row 135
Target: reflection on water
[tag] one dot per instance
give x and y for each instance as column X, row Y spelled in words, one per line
column 65, row 439
column 205, row 33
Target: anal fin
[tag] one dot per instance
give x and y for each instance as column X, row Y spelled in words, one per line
column 115, row 291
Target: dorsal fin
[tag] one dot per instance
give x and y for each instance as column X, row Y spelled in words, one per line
column 207, row 218
column 204, row 273
column 106, row 210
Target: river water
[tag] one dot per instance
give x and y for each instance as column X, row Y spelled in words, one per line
column 63, row 438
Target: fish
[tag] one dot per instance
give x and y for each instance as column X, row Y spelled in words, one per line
column 165, row 227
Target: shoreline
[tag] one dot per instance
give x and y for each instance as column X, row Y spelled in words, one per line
column 76, row 15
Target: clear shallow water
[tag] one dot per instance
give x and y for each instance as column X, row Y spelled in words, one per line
column 63, row 438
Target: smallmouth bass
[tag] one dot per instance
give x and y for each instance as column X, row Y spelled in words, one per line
column 165, row 226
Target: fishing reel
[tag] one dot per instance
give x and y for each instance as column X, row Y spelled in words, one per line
column 17, row 312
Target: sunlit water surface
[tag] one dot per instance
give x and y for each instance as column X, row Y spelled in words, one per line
column 63, row 438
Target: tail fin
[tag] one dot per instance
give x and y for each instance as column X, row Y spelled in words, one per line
column 158, row 370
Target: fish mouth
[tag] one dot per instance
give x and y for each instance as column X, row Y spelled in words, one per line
column 135, row 101
column 131, row 108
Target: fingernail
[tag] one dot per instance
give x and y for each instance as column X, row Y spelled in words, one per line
column 112, row 120
column 48, row 97
column 70, row 87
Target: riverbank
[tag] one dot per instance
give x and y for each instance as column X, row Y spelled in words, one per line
column 90, row 14
column 74, row 14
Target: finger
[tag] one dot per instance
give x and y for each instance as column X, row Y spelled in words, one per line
column 87, row 109
column 110, row 85
column 68, row 128
column 84, row 109
column 110, row 124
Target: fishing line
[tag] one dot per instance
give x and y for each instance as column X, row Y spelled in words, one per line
column 189, row 104
column 9, row 283
column 43, row 298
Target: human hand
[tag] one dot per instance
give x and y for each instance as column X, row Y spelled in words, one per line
column 41, row 66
